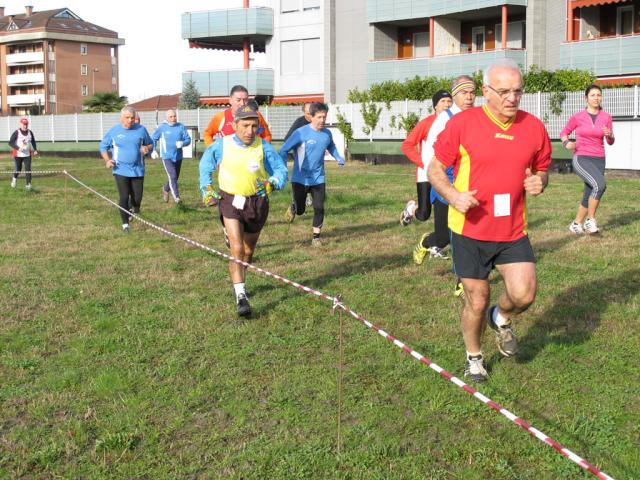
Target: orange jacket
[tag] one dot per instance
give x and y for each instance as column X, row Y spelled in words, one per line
column 222, row 124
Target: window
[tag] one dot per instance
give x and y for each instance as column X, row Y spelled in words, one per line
column 421, row 44
column 311, row 55
column 287, row 6
column 52, row 66
column 52, row 88
column 85, row 90
column 477, row 39
column 301, row 56
column 290, row 57
column 515, row 35
column 83, row 49
column 83, row 69
column 52, row 107
column 310, row 5
column 624, row 20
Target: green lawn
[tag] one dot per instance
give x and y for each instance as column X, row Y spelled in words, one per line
column 121, row 355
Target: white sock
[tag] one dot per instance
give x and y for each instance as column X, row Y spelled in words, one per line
column 479, row 354
column 125, row 225
column 239, row 288
column 499, row 319
column 412, row 209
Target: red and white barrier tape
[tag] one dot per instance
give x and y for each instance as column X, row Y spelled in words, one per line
column 337, row 303
column 36, row 172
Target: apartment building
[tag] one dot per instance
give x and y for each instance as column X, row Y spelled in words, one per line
column 603, row 36
column 445, row 38
column 356, row 43
column 51, row 61
column 289, row 32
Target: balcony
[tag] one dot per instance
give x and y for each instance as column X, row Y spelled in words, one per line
column 225, row 29
column 28, row 58
column 605, row 56
column 25, row 79
column 218, row 83
column 439, row 66
column 25, row 99
column 391, row 10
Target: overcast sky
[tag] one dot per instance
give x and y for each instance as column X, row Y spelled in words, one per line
column 154, row 54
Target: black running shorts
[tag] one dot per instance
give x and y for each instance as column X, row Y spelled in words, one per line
column 476, row 258
column 253, row 215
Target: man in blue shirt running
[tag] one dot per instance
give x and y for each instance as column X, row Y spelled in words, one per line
column 309, row 144
column 123, row 149
column 169, row 138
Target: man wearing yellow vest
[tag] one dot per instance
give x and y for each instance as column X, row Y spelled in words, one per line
column 249, row 168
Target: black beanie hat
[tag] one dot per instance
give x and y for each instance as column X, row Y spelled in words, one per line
column 440, row 94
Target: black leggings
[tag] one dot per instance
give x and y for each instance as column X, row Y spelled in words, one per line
column 424, row 202
column 317, row 196
column 440, row 236
column 130, row 192
column 591, row 171
column 27, row 166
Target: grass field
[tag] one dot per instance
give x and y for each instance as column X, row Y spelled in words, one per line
column 121, row 355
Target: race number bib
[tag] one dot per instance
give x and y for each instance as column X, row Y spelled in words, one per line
column 502, row 205
column 253, row 167
column 238, row 201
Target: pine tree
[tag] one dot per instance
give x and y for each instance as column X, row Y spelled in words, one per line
column 190, row 97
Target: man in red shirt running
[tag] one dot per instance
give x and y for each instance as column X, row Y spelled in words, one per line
column 413, row 148
column 499, row 154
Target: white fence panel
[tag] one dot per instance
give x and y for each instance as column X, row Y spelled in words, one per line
column 619, row 102
column 280, row 119
column 65, row 129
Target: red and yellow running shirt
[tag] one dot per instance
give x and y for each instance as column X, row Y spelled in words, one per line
column 491, row 157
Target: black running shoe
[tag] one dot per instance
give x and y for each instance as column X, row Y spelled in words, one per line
column 242, row 306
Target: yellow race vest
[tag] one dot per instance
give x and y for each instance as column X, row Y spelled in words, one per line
column 241, row 165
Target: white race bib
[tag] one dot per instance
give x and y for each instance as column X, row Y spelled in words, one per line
column 502, row 205
column 238, row 201
column 253, row 167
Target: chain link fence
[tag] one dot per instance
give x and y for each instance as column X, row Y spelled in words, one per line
column 619, row 102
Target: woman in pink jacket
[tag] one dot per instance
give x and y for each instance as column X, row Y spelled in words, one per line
column 592, row 125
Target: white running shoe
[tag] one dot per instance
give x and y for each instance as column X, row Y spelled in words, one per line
column 576, row 228
column 474, row 368
column 13, row 182
column 436, row 252
column 591, row 226
column 408, row 212
column 28, row 186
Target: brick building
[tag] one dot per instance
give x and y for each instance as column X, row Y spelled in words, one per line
column 51, row 61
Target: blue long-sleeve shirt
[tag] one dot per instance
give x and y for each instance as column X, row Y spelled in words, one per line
column 309, row 146
column 125, row 144
column 165, row 138
column 212, row 157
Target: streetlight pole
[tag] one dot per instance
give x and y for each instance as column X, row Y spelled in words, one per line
column 93, row 74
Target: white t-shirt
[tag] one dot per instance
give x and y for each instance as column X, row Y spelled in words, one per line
column 23, row 141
